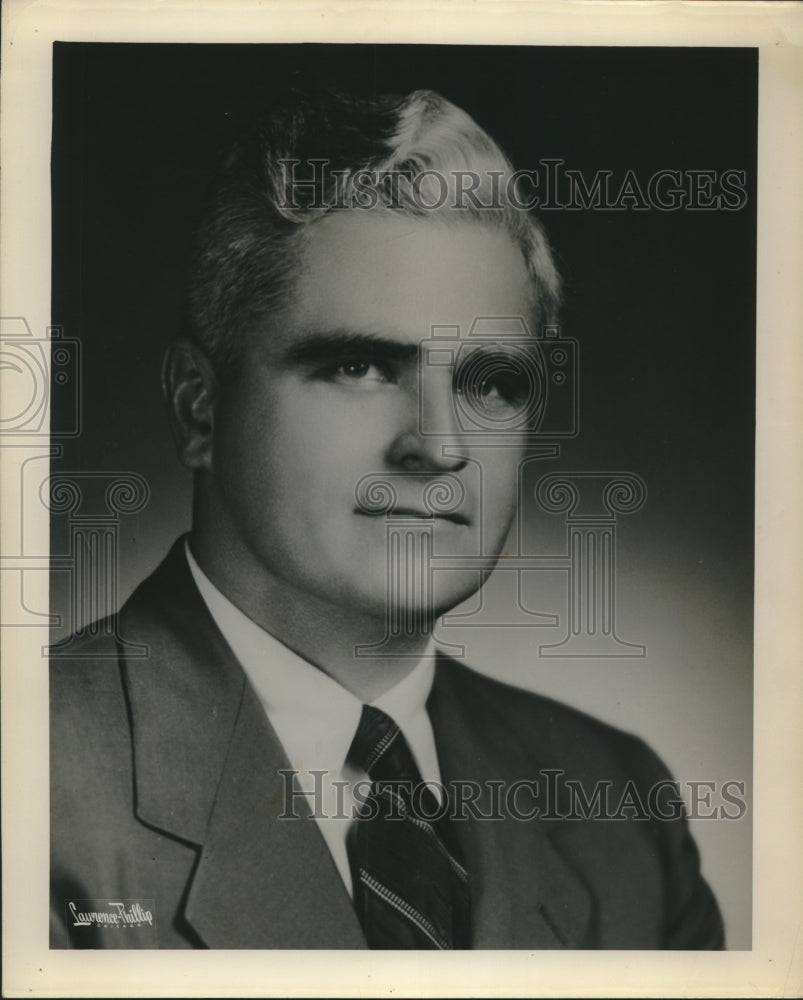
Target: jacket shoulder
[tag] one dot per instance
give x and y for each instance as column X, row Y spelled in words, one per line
column 89, row 729
column 552, row 733
column 536, row 734
column 88, row 672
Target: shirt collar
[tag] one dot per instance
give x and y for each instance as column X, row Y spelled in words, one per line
column 314, row 716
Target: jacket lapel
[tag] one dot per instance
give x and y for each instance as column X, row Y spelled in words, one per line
column 207, row 771
column 275, row 876
column 207, row 766
column 524, row 895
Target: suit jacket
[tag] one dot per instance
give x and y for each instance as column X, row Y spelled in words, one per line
column 166, row 792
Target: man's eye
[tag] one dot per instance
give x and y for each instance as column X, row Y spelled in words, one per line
column 497, row 382
column 355, row 370
column 504, row 390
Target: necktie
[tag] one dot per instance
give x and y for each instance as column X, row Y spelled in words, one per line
column 411, row 889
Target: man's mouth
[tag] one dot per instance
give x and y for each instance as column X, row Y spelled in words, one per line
column 408, row 512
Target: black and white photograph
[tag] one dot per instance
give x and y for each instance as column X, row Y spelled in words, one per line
column 387, row 373
column 394, row 429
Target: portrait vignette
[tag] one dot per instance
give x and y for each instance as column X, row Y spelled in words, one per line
column 710, row 466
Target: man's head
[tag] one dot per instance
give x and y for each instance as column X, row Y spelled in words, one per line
column 417, row 156
column 301, row 375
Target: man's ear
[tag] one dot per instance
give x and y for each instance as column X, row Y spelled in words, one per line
column 190, row 388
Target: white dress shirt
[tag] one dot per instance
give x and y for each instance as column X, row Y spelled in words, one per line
column 315, row 718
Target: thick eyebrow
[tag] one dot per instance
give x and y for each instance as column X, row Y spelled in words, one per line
column 315, row 348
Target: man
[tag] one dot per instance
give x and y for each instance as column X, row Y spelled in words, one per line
column 293, row 765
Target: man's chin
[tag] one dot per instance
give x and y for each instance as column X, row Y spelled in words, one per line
column 410, row 592
column 414, row 610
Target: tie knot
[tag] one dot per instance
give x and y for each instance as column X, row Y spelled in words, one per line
column 380, row 749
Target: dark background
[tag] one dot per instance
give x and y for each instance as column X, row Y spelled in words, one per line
column 662, row 304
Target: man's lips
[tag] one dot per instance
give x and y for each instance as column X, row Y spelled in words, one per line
column 424, row 515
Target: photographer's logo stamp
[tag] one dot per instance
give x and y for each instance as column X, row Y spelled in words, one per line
column 91, row 917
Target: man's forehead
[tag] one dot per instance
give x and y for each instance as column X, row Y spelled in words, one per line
column 380, row 273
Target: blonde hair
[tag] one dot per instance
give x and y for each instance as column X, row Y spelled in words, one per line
column 416, row 151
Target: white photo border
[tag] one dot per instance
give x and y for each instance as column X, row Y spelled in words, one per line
column 775, row 964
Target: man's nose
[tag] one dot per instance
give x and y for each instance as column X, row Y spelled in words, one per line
column 438, row 447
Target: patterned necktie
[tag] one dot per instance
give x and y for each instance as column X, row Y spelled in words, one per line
column 411, row 889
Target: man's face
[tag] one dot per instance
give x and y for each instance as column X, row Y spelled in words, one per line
column 331, row 394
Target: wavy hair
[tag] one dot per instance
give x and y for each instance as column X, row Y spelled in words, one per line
column 416, row 148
